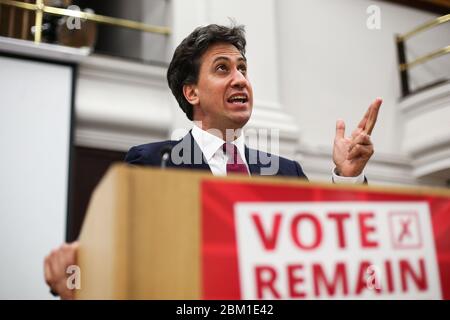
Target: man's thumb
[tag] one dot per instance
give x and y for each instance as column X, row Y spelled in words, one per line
column 340, row 128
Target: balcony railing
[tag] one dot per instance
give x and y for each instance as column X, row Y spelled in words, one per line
column 40, row 9
column 405, row 66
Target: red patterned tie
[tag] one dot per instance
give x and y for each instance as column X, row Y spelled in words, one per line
column 235, row 163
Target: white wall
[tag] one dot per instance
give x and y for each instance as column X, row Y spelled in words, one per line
column 262, row 52
column 155, row 47
column 333, row 66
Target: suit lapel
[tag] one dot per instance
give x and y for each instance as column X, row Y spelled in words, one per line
column 254, row 166
column 187, row 154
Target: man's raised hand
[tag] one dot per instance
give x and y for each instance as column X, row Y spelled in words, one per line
column 351, row 154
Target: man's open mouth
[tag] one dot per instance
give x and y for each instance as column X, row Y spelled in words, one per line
column 238, row 99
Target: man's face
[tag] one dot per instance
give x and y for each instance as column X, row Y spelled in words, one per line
column 223, row 95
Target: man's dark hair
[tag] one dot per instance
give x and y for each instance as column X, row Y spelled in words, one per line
column 185, row 65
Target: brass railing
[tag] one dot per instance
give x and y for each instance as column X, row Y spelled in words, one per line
column 404, row 66
column 40, row 8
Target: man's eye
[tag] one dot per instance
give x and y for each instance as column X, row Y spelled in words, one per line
column 221, row 67
column 243, row 69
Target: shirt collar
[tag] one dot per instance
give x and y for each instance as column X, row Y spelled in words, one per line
column 209, row 143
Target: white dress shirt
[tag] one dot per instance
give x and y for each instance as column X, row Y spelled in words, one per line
column 211, row 147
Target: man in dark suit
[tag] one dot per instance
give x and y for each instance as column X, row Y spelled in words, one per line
column 208, row 77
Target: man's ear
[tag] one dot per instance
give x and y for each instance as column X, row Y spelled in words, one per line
column 191, row 94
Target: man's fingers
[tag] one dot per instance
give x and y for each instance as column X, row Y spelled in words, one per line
column 57, row 261
column 363, row 121
column 373, row 114
column 362, row 138
column 359, row 151
column 55, row 267
column 61, row 260
column 67, row 254
column 356, row 132
column 47, row 270
column 52, row 269
column 340, row 129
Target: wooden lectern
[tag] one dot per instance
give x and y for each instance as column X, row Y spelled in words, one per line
column 174, row 234
column 140, row 238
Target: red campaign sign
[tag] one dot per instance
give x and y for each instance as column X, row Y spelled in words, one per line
column 264, row 241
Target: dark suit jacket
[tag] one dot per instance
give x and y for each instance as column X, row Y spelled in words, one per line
column 186, row 153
